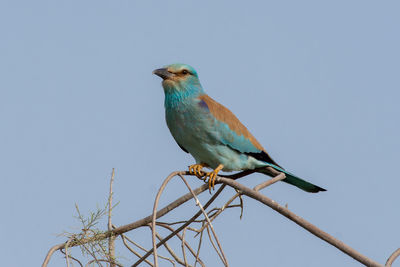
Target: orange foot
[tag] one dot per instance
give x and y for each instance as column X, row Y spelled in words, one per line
column 196, row 169
column 212, row 176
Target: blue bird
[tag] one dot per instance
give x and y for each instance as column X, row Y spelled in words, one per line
column 210, row 132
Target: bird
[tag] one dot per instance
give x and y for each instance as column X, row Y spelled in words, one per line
column 211, row 133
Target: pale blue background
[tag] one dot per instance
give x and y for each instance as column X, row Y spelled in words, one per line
column 317, row 83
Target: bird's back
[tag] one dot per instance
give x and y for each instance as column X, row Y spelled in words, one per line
column 238, row 136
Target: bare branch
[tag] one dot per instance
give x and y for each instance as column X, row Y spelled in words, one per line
column 66, row 251
column 153, row 220
column 132, row 250
column 181, row 238
column 63, row 252
column 144, row 221
column 183, row 247
column 111, row 245
column 258, row 187
column 82, row 238
column 171, row 251
column 393, row 257
column 214, row 246
column 126, row 238
column 184, row 225
column 102, row 260
column 198, row 203
column 300, row 221
column 51, row 252
column 198, row 247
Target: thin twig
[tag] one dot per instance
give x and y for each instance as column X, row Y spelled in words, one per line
column 102, row 260
column 154, row 217
column 300, row 221
column 180, row 237
column 183, row 226
column 111, row 245
column 145, row 250
column 171, row 251
column 246, row 191
column 198, row 247
column 66, row 250
column 63, row 252
column 51, row 252
column 241, row 205
column 132, row 250
column 258, row 187
column 126, row 238
column 183, row 247
column 94, row 257
column 269, row 182
column 144, row 221
column 392, row 258
column 198, row 203
column 213, row 244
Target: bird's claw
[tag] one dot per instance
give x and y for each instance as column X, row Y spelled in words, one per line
column 212, row 176
column 196, row 169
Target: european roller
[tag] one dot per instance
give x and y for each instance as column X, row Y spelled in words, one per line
column 210, row 132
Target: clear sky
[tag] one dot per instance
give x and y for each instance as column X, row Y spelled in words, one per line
column 316, row 82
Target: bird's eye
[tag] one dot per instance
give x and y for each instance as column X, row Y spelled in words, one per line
column 184, row 72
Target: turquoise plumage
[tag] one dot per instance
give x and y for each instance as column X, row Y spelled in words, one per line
column 210, row 132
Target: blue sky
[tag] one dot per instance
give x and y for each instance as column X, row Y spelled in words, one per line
column 316, row 82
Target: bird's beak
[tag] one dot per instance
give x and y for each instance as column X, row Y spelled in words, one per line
column 163, row 73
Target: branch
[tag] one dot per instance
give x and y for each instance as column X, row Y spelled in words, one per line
column 393, row 257
column 223, row 257
column 183, row 226
column 111, row 245
column 128, row 227
column 300, row 221
column 230, row 181
column 166, row 226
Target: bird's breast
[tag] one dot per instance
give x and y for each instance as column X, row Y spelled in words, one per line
column 192, row 127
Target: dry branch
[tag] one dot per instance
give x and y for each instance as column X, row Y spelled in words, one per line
column 300, row 221
column 112, row 233
column 111, row 245
column 181, row 227
column 393, row 257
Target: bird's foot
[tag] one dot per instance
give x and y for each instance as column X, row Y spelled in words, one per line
column 196, row 169
column 212, row 176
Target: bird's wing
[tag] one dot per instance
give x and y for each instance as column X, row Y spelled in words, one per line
column 182, row 147
column 232, row 132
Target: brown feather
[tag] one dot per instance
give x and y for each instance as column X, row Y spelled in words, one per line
column 223, row 114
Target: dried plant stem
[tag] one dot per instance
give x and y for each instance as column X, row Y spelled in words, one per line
column 112, row 233
column 132, row 250
column 181, row 238
column 183, row 247
column 101, row 260
column 66, row 251
column 146, row 220
column 198, row 247
column 111, row 239
column 198, row 203
column 170, row 250
column 63, row 252
column 183, row 226
column 258, row 187
column 392, row 258
column 300, row 221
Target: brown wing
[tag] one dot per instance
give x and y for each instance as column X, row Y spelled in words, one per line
column 224, row 115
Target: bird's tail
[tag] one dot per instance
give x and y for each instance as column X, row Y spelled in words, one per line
column 298, row 182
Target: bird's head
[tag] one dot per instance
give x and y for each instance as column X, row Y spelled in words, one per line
column 179, row 78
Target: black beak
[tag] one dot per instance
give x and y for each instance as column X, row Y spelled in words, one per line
column 163, row 73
